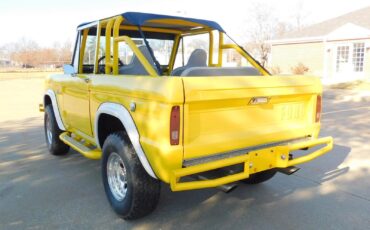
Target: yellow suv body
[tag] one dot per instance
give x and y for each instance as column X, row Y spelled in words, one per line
column 220, row 109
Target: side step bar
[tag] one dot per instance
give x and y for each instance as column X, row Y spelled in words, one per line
column 80, row 147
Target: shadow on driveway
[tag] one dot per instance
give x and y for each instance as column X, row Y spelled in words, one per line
column 38, row 190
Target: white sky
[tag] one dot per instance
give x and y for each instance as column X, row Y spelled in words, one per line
column 48, row 21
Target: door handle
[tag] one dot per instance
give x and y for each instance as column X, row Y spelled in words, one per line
column 87, row 80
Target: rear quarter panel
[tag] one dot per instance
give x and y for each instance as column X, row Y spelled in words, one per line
column 154, row 98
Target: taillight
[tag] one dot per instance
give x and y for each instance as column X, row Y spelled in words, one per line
column 318, row 109
column 175, row 125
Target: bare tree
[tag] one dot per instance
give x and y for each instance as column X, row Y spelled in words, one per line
column 262, row 27
column 265, row 26
column 28, row 53
column 65, row 52
column 24, row 52
column 300, row 14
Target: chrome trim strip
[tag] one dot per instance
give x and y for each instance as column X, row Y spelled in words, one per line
column 239, row 152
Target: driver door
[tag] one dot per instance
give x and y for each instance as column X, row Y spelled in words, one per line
column 77, row 87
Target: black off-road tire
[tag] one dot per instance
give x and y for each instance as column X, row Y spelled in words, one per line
column 54, row 144
column 143, row 191
column 260, row 177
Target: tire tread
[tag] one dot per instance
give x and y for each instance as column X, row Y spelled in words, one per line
column 146, row 190
column 57, row 147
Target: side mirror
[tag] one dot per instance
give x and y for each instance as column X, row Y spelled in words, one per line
column 68, row 69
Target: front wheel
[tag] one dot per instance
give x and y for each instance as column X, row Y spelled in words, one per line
column 52, row 132
column 131, row 192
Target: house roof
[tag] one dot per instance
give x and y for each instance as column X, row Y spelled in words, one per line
column 359, row 18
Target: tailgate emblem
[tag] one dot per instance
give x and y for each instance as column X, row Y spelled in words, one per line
column 258, row 100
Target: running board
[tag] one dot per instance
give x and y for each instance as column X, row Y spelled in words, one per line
column 80, row 147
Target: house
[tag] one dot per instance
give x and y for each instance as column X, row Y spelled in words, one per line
column 4, row 62
column 336, row 50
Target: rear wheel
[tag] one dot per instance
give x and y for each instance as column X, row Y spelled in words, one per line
column 52, row 132
column 260, row 177
column 131, row 192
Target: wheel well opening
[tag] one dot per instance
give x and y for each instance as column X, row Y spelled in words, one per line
column 47, row 100
column 108, row 124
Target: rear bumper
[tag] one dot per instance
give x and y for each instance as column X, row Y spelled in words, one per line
column 254, row 161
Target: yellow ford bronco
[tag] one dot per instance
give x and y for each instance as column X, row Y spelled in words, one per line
column 171, row 99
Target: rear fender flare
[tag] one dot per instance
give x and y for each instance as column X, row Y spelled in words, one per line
column 121, row 113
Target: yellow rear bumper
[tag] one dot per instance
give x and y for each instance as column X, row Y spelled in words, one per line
column 254, row 161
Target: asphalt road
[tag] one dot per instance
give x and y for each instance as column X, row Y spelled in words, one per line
column 40, row 191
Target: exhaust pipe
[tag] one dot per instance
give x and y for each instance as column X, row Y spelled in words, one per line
column 226, row 188
column 288, row 171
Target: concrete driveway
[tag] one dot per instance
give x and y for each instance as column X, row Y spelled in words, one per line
column 40, row 191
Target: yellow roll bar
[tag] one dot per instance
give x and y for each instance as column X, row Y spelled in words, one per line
column 116, row 28
column 108, row 35
column 149, row 29
column 113, row 26
column 148, row 67
column 97, row 49
column 175, row 48
column 210, row 57
column 220, row 51
column 246, row 56
column 82, row 50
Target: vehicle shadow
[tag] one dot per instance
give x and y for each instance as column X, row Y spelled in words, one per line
column 73, row 184
column 196, row 206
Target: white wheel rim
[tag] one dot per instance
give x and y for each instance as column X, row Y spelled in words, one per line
column 116, row 173
column 49, row 134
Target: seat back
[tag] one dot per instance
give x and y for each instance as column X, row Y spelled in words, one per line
column 198, row 58
column 221, row 71
column 135, row 67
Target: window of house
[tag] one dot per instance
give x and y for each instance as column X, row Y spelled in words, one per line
column 350, row 58
column 358, row 57
column 342, row 58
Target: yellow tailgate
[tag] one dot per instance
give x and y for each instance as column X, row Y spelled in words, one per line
column 227, row 113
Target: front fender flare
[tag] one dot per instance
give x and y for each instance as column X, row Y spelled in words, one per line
column 54, row 104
